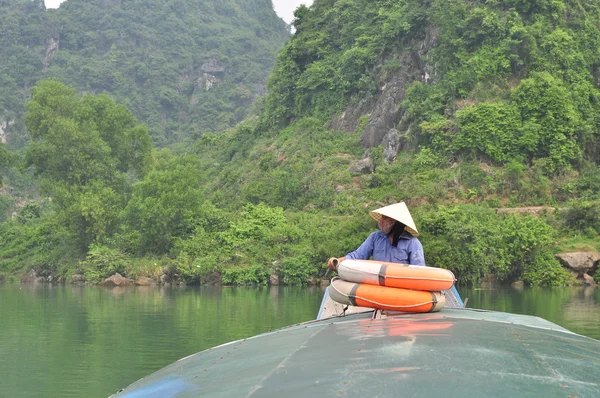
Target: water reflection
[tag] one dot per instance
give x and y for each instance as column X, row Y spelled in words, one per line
column 582, row 311
column 76, row 341
column 575, row 308
column 82, row 341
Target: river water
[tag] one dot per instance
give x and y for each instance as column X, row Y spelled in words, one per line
column 71, row 341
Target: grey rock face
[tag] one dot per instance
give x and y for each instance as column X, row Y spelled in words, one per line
column 363, row 166
column 393, row 143
column 51, row 47
column 384, row 110
column 145, row 281
column 213, row 67
column 385, row 115
column 580, row 262
column 349, row 120
column 33, row 277
column 117, row 280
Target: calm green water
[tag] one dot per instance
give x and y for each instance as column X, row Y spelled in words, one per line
column 65, row 341
column 575, row 308
column 90, row 341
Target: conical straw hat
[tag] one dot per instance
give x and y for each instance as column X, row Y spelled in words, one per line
column 399, row 212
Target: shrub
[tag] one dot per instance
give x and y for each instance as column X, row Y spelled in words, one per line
column 297, row 270
column 582, row 216
column 474, row 242
column 6, row 204
column 545, row 270
column 101, row 262
column 487, row 129
column 252, row 275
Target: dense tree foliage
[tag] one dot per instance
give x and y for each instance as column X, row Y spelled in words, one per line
column 183, row 67
column 506, row 79
column 5, row 159
column 510, row 248
column 165, row 205
column 500, row 110
column 84, row 149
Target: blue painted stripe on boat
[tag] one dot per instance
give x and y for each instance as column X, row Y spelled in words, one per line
column 167, row 387
column 458, row 298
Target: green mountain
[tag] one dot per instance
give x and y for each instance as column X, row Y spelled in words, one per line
column 436, row 71
column 464, row 109
column 183, row 67
column 443, row 105
column 504, row 93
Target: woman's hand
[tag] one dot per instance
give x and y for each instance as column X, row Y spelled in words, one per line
column 332, row 263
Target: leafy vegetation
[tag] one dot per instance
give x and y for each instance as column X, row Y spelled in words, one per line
column 83, row 150
column 500, row 109
column 509, row 248
column 183, row 67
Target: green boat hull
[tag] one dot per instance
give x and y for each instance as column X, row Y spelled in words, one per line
column 456, row 352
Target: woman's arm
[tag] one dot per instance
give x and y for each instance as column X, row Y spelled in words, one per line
column 416, row 256
column 364, row 252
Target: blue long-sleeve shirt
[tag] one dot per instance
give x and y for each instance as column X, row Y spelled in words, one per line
column 377, row 245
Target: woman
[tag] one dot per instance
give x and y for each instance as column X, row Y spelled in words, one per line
column 396, row 241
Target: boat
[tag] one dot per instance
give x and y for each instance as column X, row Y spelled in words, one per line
column 358, row 352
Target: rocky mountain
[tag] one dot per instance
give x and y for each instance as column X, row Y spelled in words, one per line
column 184, row 67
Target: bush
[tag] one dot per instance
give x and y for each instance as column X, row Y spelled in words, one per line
column 43, row 245
column 253, row 275
column 475, row 243
column 199, row 270
column 545, row 270
column 583, row 216
column 588, row 183
column 426, row 159
column 31, row 211
column 6, row 204
column 487, row 129
column 297, row 270
column 102, row 262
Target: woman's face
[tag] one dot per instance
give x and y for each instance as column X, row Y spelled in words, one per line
column 386, row 224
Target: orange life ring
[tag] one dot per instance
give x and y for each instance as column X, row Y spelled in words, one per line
column 396, row 275
column 385, row 298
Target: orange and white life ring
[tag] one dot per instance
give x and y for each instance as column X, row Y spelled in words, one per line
column 385, row 298
column 396, row 275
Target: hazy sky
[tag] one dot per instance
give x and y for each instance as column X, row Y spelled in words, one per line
column 52, row 3
column 283, row 8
